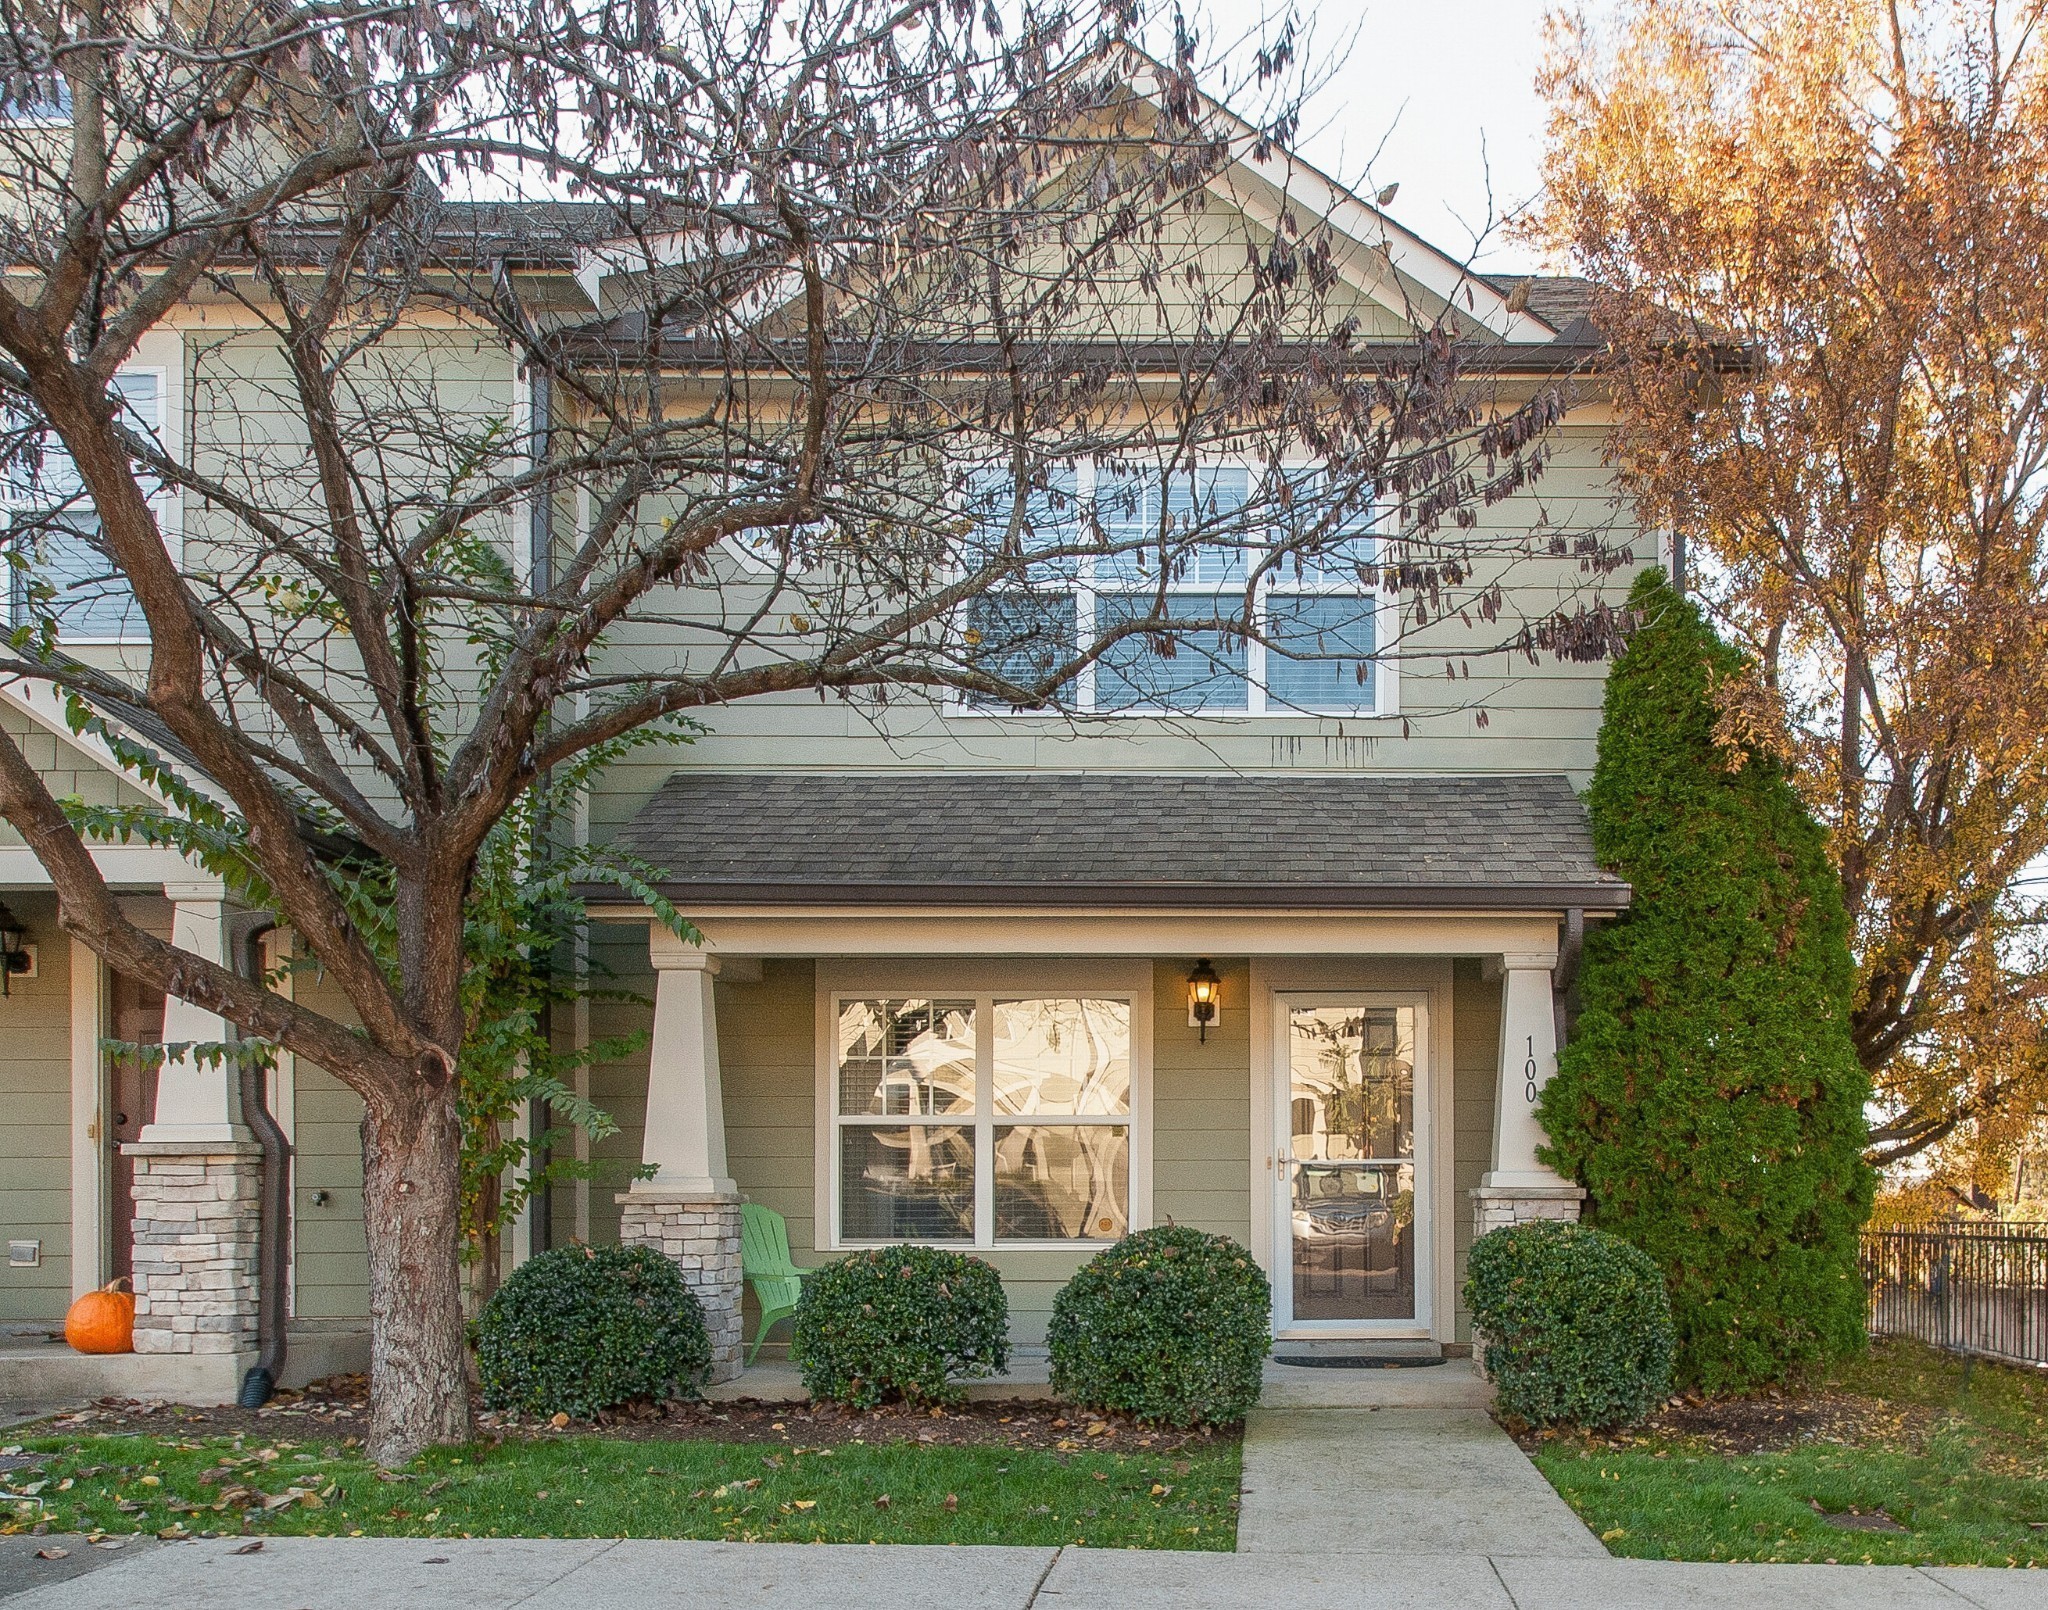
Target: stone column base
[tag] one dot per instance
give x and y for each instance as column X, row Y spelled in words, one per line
column 1494, row 1207
column 197, row 1217
column 701, row 1236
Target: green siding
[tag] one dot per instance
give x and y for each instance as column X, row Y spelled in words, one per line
column 1475, row 1083
column 68, row 771
column 331, row 1275
column 1201, row 1113
column 35, row 1093
column 1467, row 704
column 1201, row 1105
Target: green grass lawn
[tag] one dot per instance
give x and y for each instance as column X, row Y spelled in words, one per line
column 593, row 1486
column 1961, row 1464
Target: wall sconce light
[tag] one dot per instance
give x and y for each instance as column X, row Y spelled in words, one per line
column 1205, row 997
column 14, row 952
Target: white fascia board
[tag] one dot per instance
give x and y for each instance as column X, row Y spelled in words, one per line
column 1407, row 253
column 634, row 255
column 1075, row 932
column 123, row 866
column 43, row 704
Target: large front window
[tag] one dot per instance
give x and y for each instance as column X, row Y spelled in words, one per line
column 1312, row 643
column 983, row 1120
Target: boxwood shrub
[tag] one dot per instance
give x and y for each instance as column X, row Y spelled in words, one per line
column 1576, row 1324
column 904, row 1322
column 579, row 1329
column 1169, row 1324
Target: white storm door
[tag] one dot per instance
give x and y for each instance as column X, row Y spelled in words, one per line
column 1352, row 1216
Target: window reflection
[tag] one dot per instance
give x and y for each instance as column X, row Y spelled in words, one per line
column 1062, row 1056
column 1062, row 1182
column 914, row 1183
column 1351, row 1104
column 906, row 1057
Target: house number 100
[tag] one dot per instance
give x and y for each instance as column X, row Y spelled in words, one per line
column 1529, row 1073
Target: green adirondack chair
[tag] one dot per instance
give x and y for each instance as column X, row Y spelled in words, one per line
column 764, row 1257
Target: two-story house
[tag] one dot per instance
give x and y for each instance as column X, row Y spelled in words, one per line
column 1285, row 962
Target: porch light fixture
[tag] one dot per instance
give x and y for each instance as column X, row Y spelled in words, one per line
column 1205, row 991
column 14, row 956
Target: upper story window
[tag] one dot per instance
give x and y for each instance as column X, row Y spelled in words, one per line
column 1315, row 615
column 59, row 534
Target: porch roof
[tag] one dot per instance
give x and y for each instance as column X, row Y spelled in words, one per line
column 1120, row 839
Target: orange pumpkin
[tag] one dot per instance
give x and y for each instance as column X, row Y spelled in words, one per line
column 102, row 1321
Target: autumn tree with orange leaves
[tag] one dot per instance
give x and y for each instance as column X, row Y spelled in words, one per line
column 1822, row 230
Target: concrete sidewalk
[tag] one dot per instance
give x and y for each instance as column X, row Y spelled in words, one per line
column 1398, row 1481
column 412, row 1574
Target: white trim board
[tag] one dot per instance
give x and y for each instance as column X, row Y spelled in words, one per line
column 839, row 931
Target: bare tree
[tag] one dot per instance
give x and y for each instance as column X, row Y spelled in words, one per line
column 825, row 314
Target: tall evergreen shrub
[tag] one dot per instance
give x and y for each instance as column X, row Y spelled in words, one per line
column 1710, row 1100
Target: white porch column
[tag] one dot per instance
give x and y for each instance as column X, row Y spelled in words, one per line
column 689, row 1209
column 1518, row 1187
column 196, row 1105
column 685, row 1137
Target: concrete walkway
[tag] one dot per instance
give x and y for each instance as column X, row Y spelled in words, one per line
column 1401, row 1462
column 1398, row 1481
column 414, row 1574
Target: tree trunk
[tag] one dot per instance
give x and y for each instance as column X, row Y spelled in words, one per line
column 412, row 1206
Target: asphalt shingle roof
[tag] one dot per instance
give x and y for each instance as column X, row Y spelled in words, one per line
column 1038, row 838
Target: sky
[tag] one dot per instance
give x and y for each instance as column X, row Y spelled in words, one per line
column 1437, row 96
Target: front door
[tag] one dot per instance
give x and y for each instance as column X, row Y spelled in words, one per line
column 1353, row 1214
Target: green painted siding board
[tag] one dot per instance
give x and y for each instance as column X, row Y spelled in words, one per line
column 1475, row 1056
column 35, row 1094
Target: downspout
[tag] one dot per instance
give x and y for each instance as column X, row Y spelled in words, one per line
column 1564, row 978
column 540, row 1207
column 273, row 1206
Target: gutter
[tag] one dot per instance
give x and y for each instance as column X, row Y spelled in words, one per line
column 1579, row 898
column 1564, row 977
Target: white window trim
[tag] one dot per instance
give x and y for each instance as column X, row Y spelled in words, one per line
column 1259, row 706
column 941, row 979
column 159, row 353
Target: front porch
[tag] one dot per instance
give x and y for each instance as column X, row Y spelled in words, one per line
column 1018, row 1070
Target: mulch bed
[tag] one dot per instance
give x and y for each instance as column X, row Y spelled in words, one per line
column 1764, row 1423
column 338, row 1410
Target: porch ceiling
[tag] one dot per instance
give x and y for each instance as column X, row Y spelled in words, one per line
column 1124, row 840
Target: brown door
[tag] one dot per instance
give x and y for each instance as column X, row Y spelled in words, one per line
column 135, row 1016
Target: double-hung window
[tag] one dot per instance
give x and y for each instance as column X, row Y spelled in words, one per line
column 1314, row 644
column 58, row 532
column 985, row 1119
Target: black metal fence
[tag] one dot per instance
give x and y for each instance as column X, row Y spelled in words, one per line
column 1979, row 1289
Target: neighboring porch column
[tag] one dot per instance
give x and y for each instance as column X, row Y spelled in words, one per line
column 198, row 1174
column 1518, row 1187
column 196, row 1105
column 689, row 1209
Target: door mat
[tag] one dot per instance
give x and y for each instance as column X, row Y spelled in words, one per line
column 1353, row 1361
